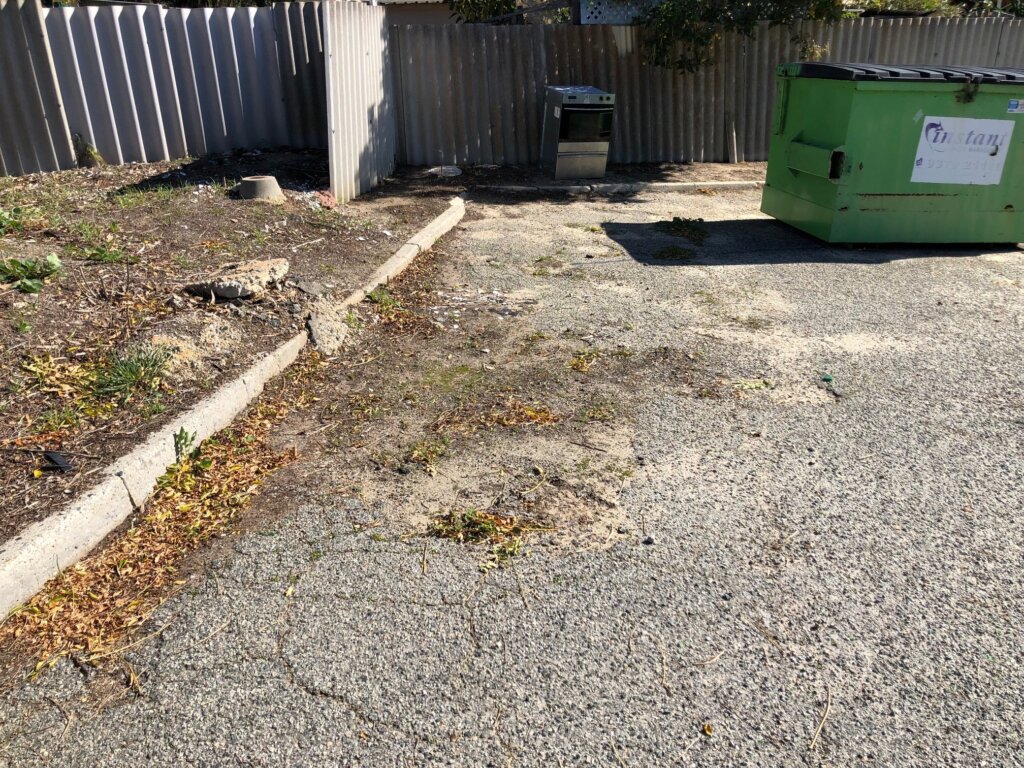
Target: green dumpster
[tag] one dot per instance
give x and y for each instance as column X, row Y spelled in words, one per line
column 895, row 154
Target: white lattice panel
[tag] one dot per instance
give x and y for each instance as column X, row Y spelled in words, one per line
column 609, row 11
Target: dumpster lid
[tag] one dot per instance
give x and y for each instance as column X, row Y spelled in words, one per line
column 902, row 73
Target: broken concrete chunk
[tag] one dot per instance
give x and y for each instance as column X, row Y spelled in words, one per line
column 310, row 287
column 327, row 326
column 241, row 281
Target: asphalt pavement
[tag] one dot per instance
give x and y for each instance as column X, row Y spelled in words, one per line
column 832, row 572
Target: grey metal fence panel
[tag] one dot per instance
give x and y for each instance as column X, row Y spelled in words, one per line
column 143, row 83
column 33, row 127
column 360, row 103
column 470, row 94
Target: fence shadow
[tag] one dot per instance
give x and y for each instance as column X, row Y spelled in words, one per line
column 751, row 242
column 297, row 170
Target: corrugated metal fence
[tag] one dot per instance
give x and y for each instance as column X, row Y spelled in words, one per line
column 145, row 83
column 33, row 130
column 472, row 94
column 360, row 113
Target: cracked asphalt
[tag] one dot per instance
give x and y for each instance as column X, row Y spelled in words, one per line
column 834, row 575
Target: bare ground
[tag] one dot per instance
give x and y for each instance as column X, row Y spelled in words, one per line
column 129, row 239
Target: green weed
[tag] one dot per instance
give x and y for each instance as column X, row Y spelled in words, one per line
column 11, row 220
column 57, row 420
column 584, row 360
column 107, row 254
column 427, row 452
column 691, row 229
column 387, row 305
column 27, row 275
column 138, row 368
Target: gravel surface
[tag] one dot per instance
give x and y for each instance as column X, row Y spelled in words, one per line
column 833, row 532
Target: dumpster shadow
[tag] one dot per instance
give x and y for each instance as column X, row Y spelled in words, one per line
column 748, row 242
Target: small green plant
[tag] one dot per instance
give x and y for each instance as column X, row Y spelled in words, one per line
column 107, row 254
column 183, row 443
column 57, row 420
column 691, row 229
column 87, row 231
column 706, row 297
column 502, row 553
column 584, row 360
column 131, row 370
column 135, row 196
column 388, row 306
column 153, row 406
column 599, row 412
column 21, row 325
column 352, row 320
column 471, row 526
column 27, row 275
column 427, row 452
column 11, row 221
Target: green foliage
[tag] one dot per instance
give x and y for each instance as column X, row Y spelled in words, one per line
column 480, row 10
column 184, row 441
column 27, row 275
column 11, row 221
column 107, row 254
column 682, row 34
column 906, row 6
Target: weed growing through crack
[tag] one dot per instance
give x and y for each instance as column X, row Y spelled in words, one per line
column 691, row 229
column 473, row 526
column 28, row 275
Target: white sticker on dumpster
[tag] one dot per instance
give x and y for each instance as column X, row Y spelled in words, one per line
column 962, row 150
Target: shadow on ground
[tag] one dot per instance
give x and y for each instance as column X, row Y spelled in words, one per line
column 742, row 242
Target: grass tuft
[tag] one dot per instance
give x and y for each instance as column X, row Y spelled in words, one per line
column 136, row 368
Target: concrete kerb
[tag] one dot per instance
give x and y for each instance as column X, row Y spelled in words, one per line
column 618, row 189
column 43, row 549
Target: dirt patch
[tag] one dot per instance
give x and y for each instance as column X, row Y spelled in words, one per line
column 128, row 239
column 461, row 413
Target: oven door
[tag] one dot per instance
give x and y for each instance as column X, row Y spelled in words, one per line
column 585, row 124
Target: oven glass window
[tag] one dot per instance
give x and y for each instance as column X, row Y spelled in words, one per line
column 586, row 125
